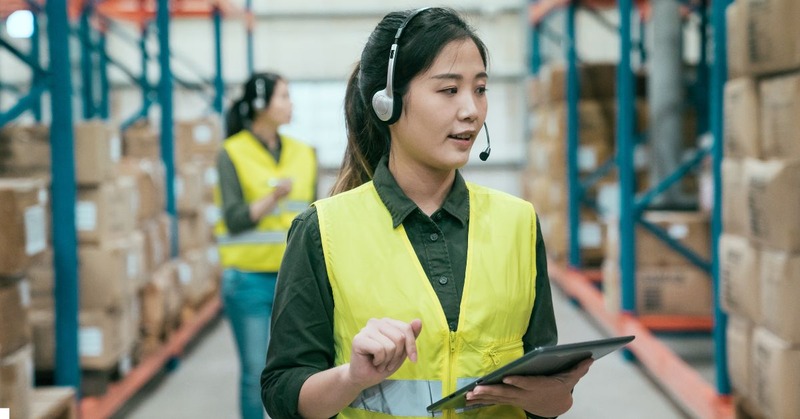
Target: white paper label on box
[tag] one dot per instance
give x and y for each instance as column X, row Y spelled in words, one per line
column 202, row 134
column 212, row 254
column 212, row 176
column 591, row 235
column 125, row 365
column 90, row 341
column 132, row 265
column 43, row 196
column 178, row 187
column 25, row 293
column 5, row 413
column 115, row 149
column 641, row 157
column 587, row 158
column 35, row 230
column 678, row 231
column 213, row 214
column 184, row 273
column 86, row 216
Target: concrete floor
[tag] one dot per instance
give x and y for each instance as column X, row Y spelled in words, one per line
column 204, row 384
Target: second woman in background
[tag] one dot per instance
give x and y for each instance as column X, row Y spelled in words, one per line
column 265, row 180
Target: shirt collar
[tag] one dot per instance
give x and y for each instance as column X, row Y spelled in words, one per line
column 401, row 206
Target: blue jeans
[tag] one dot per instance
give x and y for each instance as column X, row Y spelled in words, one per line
column 247, row 298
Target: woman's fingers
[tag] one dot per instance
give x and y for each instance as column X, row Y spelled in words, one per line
column 397, row 340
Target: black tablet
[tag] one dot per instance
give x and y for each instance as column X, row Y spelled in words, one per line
column 545, row 360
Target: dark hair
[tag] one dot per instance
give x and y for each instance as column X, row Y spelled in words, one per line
column 422, row 40
column 258, row 88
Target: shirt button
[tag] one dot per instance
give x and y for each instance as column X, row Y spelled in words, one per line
column 452, row 325
column 443, row 280
column 437, row 216
column 434, row 237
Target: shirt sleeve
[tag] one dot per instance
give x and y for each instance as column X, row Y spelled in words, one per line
column 542, row 330
column 235, row 211
column 301, row 342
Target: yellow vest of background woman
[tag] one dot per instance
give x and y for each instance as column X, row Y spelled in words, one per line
column 497, row 299
column 261, row 249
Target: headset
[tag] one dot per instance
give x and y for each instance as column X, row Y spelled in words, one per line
column 387, row 107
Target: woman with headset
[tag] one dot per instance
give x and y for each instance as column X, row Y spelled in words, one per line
column 265, row 180
column 409, row 280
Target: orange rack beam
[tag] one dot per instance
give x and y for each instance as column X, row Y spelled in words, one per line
column 675, row 376
column 144, row 10
column 119, row 393
column 10, row 6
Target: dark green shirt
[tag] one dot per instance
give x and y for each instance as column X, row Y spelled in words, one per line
column 302, row 318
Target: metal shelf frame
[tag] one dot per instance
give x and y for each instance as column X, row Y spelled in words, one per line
column 707, row 99
column 56, row 79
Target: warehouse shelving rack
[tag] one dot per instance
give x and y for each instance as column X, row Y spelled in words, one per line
column 678, row 378
column 56, row 79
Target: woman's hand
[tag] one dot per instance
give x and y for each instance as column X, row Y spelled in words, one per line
column 547, row 396
column 380, row 348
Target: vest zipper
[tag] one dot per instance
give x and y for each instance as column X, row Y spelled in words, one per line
column 451, row 373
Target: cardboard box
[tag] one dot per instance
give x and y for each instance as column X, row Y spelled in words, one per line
column 737, row 42
column 160, row 302
column 771, row 36
column 739, row 277
column 25, row 150
column 597, row 81
column 741, row 119
column 103, row 338
column 24, row 230
column 97, row 152
column 678, row 290
column 780, row 116
column 189, row 188
column 198, row 139
column 41, row 276
column 150, row 178
column 735, row 211
column 16, row 382
column 14, row 327
column 692, row 229
column 776, row 375
column 109, row 274
column 780, row 293
column 194, row 277
column 142, row 141
column 773, row 194
column 739, row 340
column 102, row 213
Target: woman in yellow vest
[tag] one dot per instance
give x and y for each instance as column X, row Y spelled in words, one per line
column 410, row 281
column 265, row 180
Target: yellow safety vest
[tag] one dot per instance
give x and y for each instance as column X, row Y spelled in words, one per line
column 375, row 273
column 261, row 249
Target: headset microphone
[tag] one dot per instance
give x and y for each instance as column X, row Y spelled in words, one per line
column 485, row 153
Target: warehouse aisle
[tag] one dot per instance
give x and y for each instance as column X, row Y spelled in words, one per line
column 204, row 385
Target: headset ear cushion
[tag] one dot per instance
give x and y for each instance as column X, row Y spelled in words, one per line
column 397, row 109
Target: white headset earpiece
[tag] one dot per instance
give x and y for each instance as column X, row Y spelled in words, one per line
column 387, row 108
column 260, row 102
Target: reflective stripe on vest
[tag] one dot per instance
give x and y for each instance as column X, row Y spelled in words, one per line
column 253, row 237
column 405, row 398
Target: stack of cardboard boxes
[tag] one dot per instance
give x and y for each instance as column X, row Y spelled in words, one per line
column 760, row 247
column 545, row 179
column 24, row 240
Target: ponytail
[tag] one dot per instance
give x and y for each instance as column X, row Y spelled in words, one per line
column 367, row 140
column 234, row 119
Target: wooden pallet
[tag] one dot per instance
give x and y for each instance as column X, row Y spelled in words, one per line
column 53, row 403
